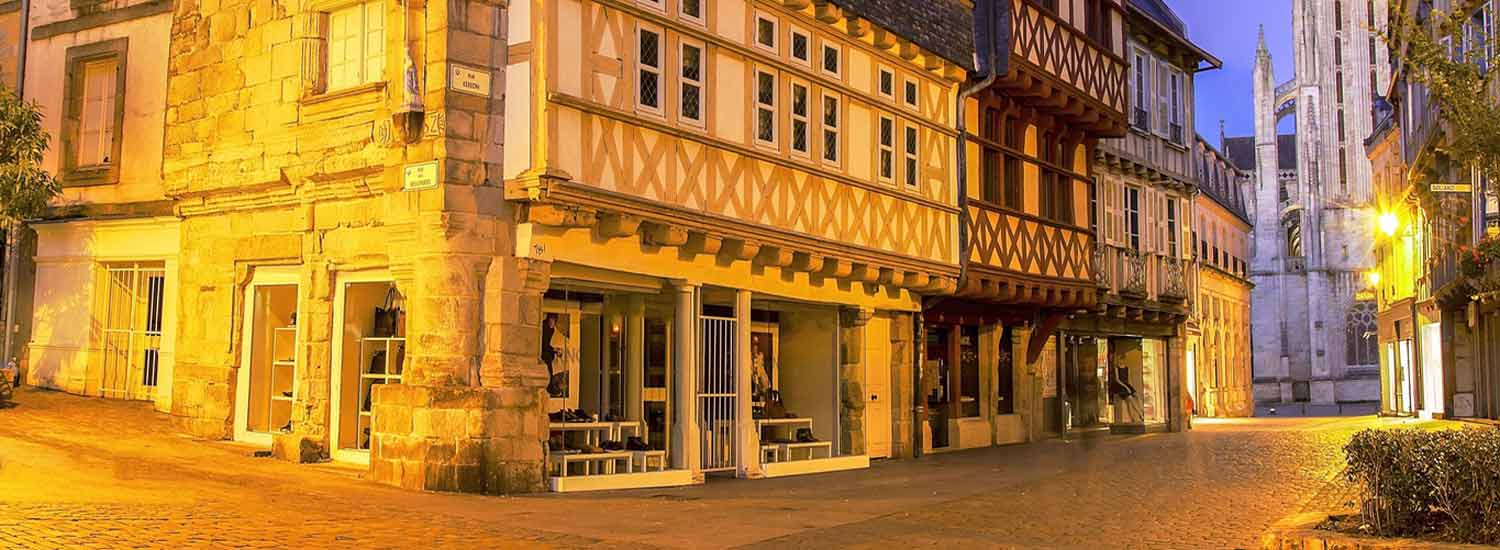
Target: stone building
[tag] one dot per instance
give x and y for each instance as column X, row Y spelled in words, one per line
column 1219, row 373
column 1313, row 315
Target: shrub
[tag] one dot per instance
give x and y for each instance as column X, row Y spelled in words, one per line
column 1413, row 482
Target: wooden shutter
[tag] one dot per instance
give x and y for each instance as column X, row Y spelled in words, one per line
column 1163, row 98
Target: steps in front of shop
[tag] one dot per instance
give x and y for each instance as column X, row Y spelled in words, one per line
column 1316, row 409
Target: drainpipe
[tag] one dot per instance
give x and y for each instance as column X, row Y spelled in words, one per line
column 12, row 233
column 992, row 41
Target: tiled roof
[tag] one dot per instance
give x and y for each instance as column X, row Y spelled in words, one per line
column 944, row 27
column 1158, row 10
column 1241, row 152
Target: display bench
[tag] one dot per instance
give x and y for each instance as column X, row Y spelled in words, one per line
column 591, row 468
column 782, row 455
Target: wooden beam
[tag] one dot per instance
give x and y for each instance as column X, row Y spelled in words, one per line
column 808, row 262
column 858, row 27
column 663, row 234
column 738, row 249
column 884, row 39
column 558, row 215
column 774, row 256
column 1039, row 335
column 702, row 243
column 835, row 268
column 617, row 225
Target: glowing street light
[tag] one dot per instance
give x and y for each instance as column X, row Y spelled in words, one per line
column 1389, row 223
column 1374, row 278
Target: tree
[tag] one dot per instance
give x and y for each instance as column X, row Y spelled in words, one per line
column 25, row 188
column 1451, row 56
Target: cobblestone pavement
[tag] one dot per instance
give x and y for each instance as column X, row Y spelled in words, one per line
column 88, row 473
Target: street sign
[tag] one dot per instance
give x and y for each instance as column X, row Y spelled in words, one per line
column 420, row 176
column 1452, row 188
column 469, row 80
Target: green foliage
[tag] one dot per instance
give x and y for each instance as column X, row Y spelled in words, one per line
column 1461, row 84
column 1414, row 482
column 25, row 189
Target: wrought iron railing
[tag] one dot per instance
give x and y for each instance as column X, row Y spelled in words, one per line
column 1134, row 271
column 1102, row 269
column 1173, row 279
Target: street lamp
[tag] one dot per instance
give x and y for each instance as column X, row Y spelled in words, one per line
column 1374, row 277
column 1389, row 224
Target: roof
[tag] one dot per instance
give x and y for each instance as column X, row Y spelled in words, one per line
column 943, row 27
column 1158, row 10
column 1241, row 152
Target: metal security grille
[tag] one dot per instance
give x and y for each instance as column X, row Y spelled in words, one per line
column 716, row 394
column 132, row 331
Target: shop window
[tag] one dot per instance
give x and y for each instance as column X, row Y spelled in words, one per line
column 133, row 299
column 356, row 45
column 935, row 382
column 968, row 371
column 1005, row 374
column 269, row 359
column 372, row 353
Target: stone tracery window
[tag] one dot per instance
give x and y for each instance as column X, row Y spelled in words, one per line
column 1360, row 346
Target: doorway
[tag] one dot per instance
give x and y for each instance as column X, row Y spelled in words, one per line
column 269, row 339
column 369, row 350
column 133, row 301
column 877, row 388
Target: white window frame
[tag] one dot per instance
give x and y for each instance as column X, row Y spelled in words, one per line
column 911, row 159
column 699, row 20
column 657, row 5
column 767, row 107
column 701, row 83
column 838, row 56
column 641, row 67
column 834, row 128
column 791, row 46
column 881, row 72
column 775, row 45
column 885, row 149
column 365, row 57
column 101, row 103
column 805, row 117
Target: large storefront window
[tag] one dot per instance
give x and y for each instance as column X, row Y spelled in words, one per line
column 1153, row 380
column 371, row 351
column 268, row 360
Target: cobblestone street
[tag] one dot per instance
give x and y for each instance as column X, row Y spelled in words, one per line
column 87, row 473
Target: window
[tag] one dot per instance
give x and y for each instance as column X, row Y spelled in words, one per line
column 1338, row 79
column 1343, row 170
column 831, row 61
column 653, row 4
column 648, row 75
column 1338, row 15
column 692, row 10
column 912, row 166
column 765, row 32
column 1015, row 135
column 765, row 107
column 831, row 116
column 1174, row 129
column 1172, row 228
column 887, row 147
column 1094, row 206
column 1133, row 216
column 96, row 131
column 692, row 82
column 799, row 118
column 356, row 45
column 1099, row 22
column 1163, row 99
column 1057, row 184
column 992, row 160
column 911, row 94
column 1141, row 92
column 94, row 93
column 801, row 47
column 887, row 84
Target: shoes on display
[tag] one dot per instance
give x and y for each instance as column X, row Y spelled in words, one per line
column 805, row 435
column 558, row 416
column 613, row 446
column 288, row 427
column 634, row 443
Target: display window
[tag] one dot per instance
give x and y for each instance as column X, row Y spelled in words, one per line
column 370, row 316
column 267, row 378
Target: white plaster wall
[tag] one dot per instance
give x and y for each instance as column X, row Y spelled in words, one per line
column 63, row 331
column 145, row 103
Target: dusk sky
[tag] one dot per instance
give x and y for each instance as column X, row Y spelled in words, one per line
column 1227, row 29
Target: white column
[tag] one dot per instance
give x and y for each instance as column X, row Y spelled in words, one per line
column 749, row 436
column 635, row 334
column 685, row 430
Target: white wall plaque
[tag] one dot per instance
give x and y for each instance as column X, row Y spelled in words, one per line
column 423, row 175
column 469, row 80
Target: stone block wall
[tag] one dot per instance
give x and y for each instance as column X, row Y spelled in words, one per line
column 902, row 358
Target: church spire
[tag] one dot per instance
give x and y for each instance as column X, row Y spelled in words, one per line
column 1260, row 42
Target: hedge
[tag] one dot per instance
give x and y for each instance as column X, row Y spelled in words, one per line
column 1416, row 483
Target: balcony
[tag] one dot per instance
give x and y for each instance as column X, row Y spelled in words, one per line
column 1016, row 258
column 1143, row 281
column 1059, row 70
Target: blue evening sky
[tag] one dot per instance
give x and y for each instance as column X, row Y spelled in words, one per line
column 1227, row 29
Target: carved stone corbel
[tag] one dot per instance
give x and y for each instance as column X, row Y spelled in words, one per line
column 855, row 316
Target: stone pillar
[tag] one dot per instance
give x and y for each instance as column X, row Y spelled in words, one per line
column 852, row 379
column 748, row 435
column 684, row 452
column 902, row 367
column 1028, row 390
column 1176, row 374
column 635, row 366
